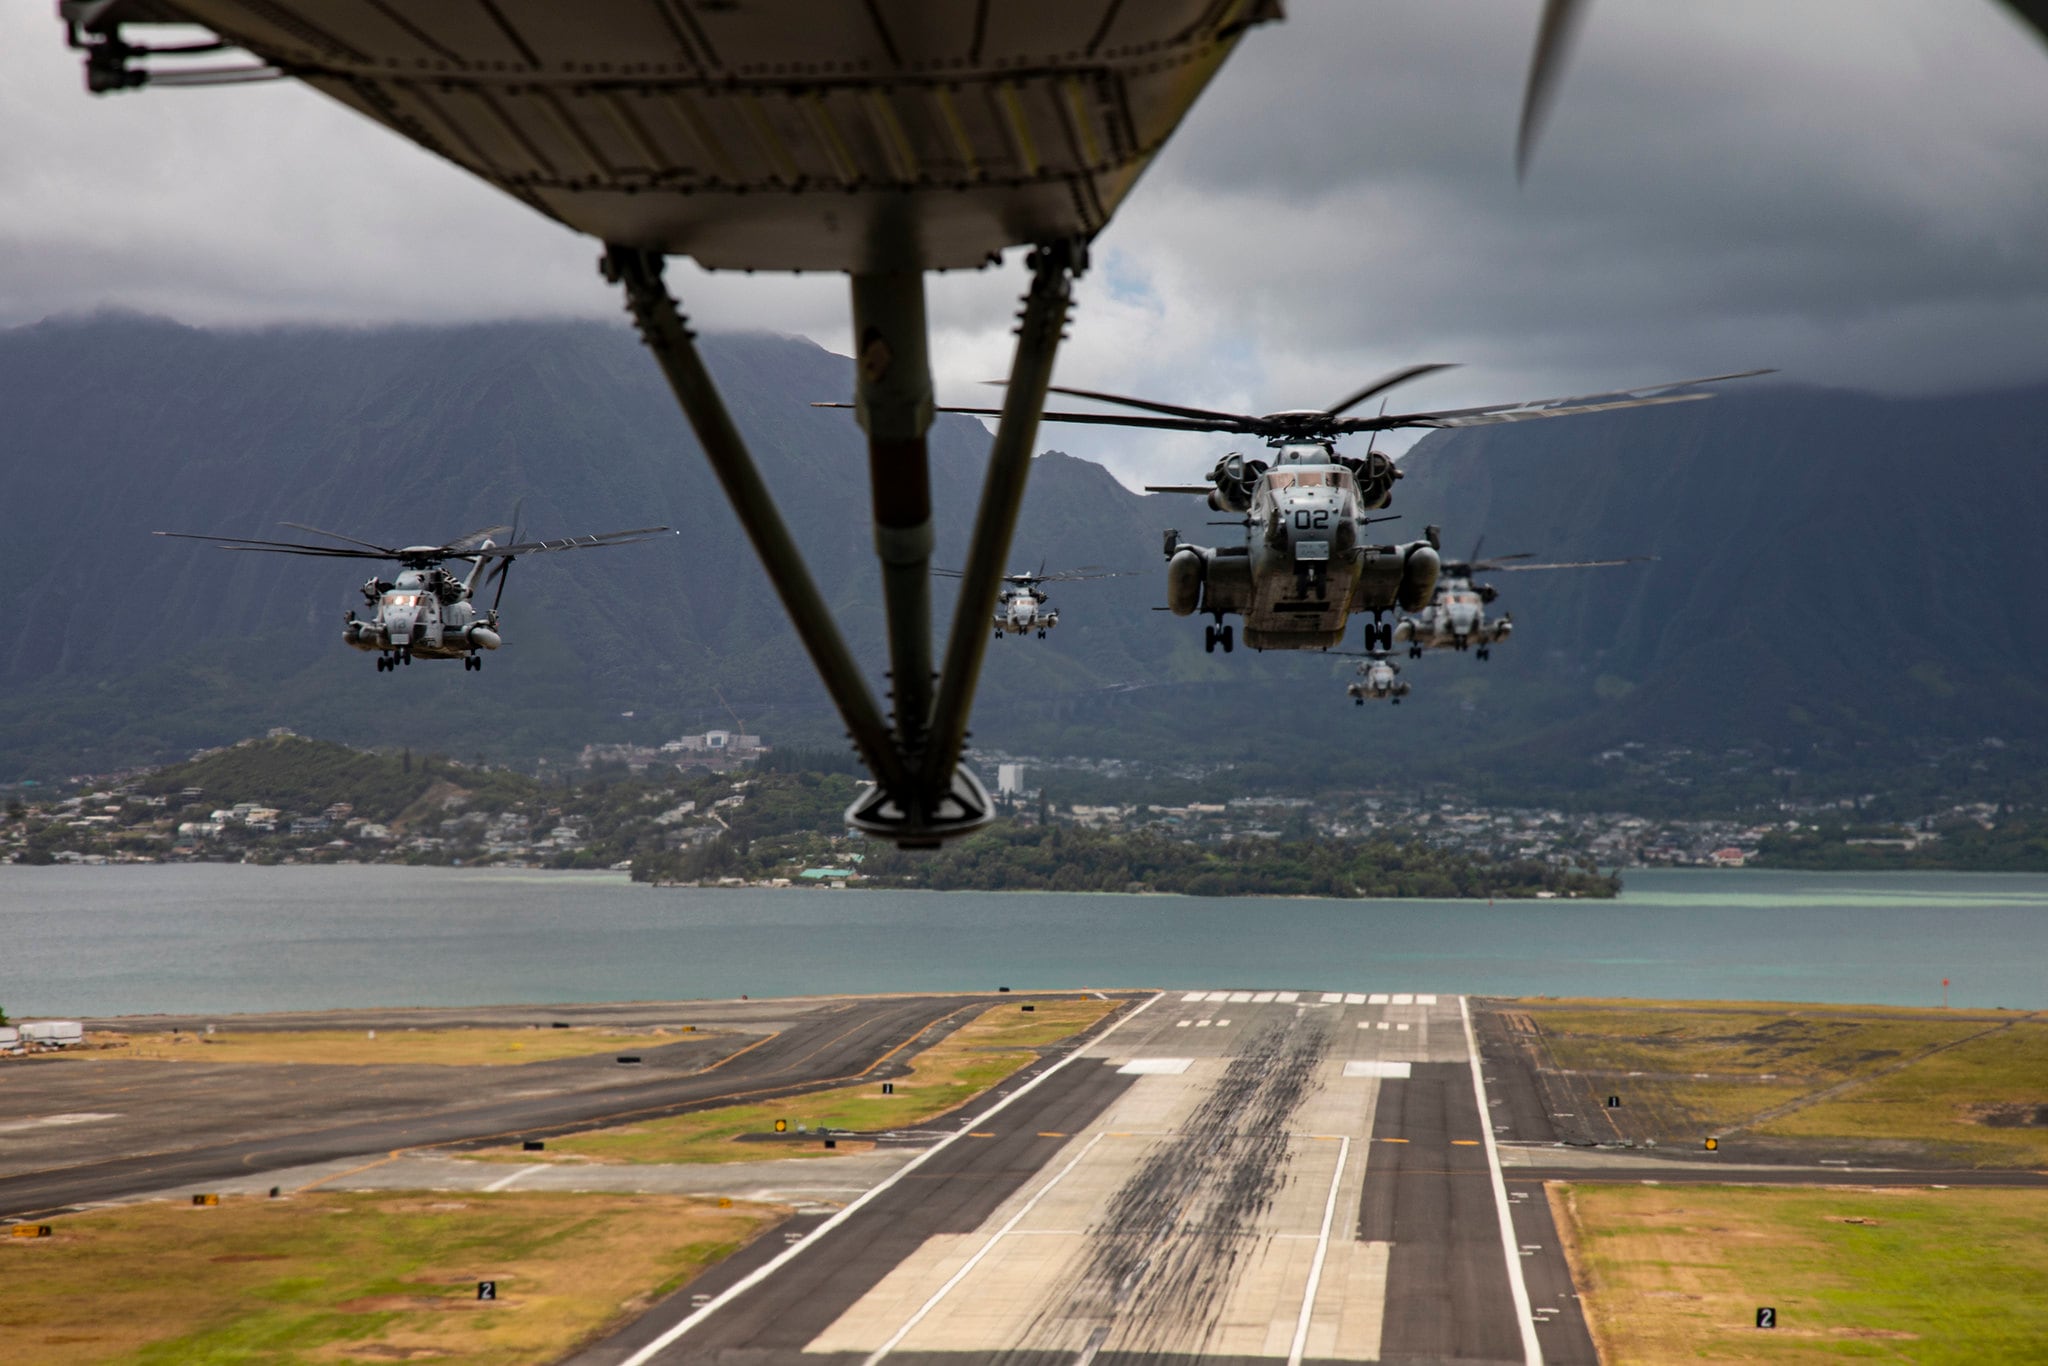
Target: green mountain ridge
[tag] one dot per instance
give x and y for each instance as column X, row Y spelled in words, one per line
column 1838, row 574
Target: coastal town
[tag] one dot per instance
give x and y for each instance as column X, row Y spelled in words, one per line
column 623, row 802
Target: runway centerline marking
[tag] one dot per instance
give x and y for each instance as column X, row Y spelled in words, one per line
column 967, row 1269
column 1315, row 1267
column 783, row 1258
column 1532, row 1350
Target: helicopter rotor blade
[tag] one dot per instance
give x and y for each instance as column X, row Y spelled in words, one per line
column 1180, row 488
column 1556, row 34
column 504, row 552
column 463, row 545
column 1245, row 425
column 319, row 531
column 1563, row 564
column 1642, row 396
column 1148, row 405
column 281, row 547
column 1384, row 383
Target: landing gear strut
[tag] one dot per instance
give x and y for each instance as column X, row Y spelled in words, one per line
column 922, row 793
column 1223, row 635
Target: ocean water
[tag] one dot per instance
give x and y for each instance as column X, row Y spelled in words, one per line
column 223, row 939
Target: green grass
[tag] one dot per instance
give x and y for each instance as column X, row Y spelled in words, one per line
column 378, row 1275
column 1676, row 1273
column 943, row 1077
column 1920, row 1078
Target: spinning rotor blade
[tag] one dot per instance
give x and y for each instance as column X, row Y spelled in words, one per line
column 1170, row 409
column 463, row 545
column 334, row 552
column 1561, row 564
column 1080, row 576
column 1247, row 425
column 1555, row 34
column 1180, row 488
column 503, row 570
column 1643, row 396
column 504, row 552
column 1384, row 383
column 318, row 531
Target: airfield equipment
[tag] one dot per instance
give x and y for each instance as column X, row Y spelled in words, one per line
column 1307, row 562
column 1456, row 619
column 1024, row 607
column 1378, row 678
column 425, row 610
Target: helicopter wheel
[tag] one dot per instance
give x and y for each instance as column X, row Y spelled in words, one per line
column 1229, row 638
column 1209, row 640
column 1484, row 653
column 999, row 633
column 1358, row 701
column 1415, row 652
column 1041, row 635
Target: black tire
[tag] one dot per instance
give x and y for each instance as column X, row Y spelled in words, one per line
column 1229, row 639
column 1209, row 640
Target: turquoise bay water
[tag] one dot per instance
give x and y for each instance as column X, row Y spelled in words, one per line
column 212, row 938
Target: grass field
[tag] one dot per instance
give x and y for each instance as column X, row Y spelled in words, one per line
column 385, row 1276
column 1677, row 1273
column 1963, row 1087
column 950, row 1073
column 443, row 1047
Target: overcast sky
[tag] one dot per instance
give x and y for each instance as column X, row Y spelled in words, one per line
column 1854, row 191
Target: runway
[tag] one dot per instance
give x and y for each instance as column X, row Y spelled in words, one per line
column 144, row 1127
column 1236, row 1176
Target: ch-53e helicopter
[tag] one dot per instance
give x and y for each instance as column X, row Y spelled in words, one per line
column 1378, row 678
column 1456, row 619
column 425, row 610
column 1023, row 607
column 1307, row 563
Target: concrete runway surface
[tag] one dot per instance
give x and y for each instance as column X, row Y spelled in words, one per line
column 100, row 1130
column 1237, row 1176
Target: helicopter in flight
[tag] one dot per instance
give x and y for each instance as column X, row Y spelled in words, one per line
column 1023, row 606
column 1307, row 562
column 424, row 609
column 1379, row 677
column 1456, row 619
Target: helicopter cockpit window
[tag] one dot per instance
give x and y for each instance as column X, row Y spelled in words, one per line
column 1302, row 479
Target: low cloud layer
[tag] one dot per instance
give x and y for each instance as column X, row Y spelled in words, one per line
column 1854, row 191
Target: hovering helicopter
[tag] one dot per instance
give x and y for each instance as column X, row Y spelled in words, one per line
column 425, row 610
column 1455, row 618
column 1022, row 606
column 1378, row 677
column 1307, row 562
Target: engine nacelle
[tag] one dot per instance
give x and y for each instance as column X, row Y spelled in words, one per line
column 1184, row 575
column 481, row 638
column 362, row 635
column 1375, row 475
column 1419, row 569
column 1236, row 478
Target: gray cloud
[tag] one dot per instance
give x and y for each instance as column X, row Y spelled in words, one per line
column 1853, row 190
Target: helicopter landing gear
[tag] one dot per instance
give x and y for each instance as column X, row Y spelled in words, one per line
column 1484, row 653
column 473, row 664
column 1379, row 635
column 1358, row 701
column 999, row 633
column 1415, row 652
column 1041, row 635
column 1223, row 635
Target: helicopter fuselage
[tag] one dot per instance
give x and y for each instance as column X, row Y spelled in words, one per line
column 423, row 613
column 1306, row 563
column 1022, row 610
column 1455, row 619
column 1379, row 680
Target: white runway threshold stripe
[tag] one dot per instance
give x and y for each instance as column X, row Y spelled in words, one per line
column 1375, row 1067
column 1532, row 1350
column 790, row 1254
column 1315, row 1270
column 1155, row 1067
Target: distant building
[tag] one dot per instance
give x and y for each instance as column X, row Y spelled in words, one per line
column 1009, row 779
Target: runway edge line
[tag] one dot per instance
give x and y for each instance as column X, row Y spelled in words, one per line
column 1525, row 1318
column 784, row 1258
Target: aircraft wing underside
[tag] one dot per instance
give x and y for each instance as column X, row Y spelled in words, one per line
column 852, row 135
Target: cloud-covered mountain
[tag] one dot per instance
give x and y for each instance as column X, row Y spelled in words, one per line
column 1832, row 567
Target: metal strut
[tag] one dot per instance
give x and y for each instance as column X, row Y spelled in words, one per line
column 922, row 793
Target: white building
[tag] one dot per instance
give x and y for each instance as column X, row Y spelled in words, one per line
column 1009, row 779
